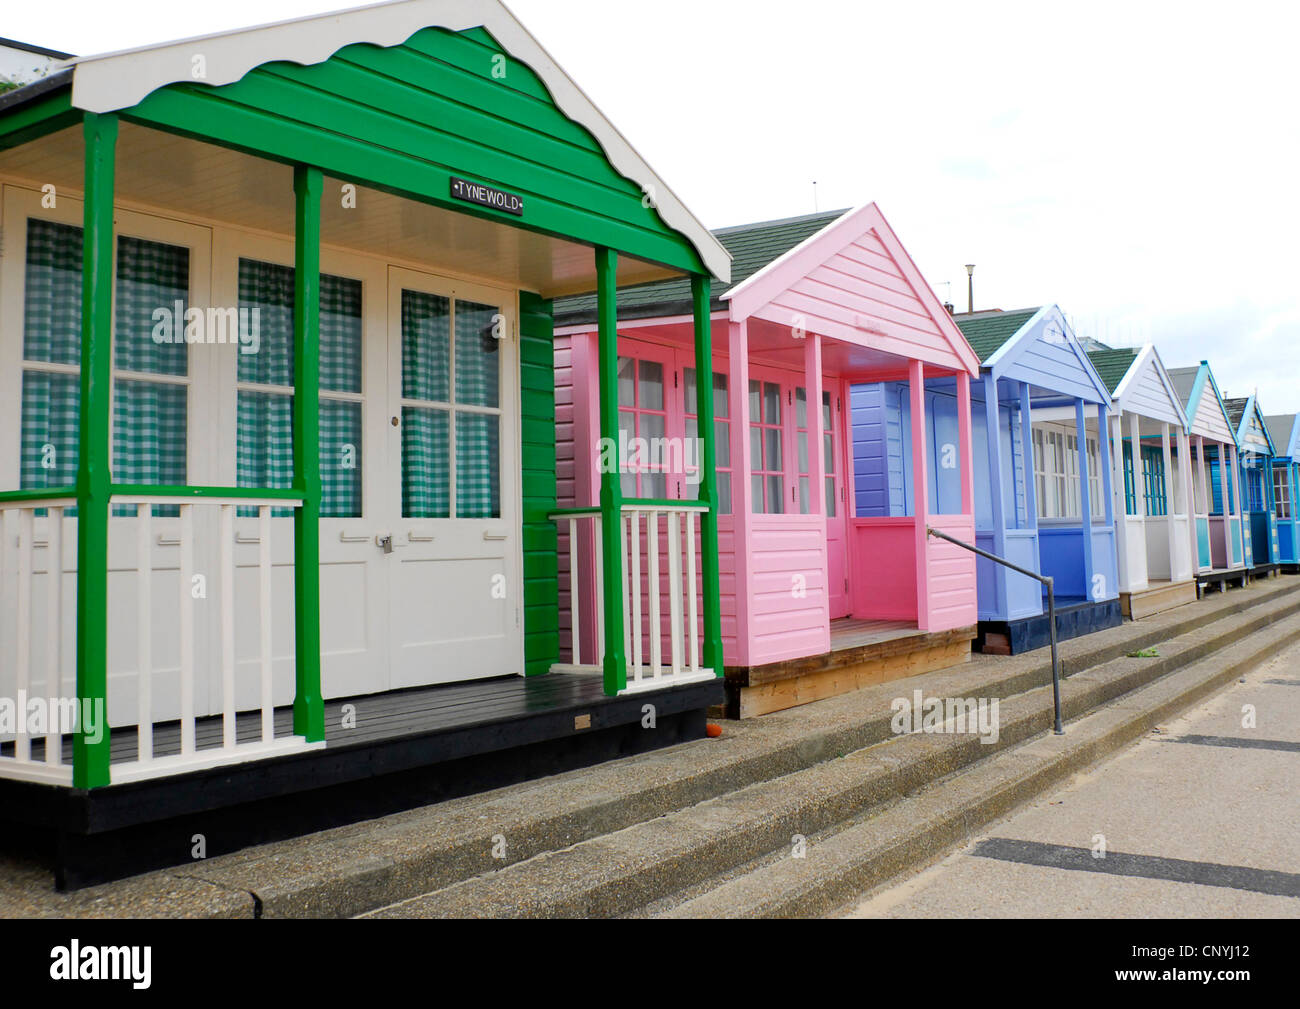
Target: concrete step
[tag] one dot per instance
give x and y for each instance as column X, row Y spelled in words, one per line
column 358, row 867
column 842, row 865
column 646, row 862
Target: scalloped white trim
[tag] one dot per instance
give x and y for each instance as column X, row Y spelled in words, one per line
column 121, row 80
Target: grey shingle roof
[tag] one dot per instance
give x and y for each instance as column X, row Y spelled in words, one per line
column 987, row 331
column 1184, row 379
column 1236, row 410
column 752, row 247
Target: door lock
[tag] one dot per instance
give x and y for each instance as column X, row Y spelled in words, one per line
column 385, row 543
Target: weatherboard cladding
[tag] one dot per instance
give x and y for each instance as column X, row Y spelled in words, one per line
column 752, row 247
column 1209, row 419
column 410, row 117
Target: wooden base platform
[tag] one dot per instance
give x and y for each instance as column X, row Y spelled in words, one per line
column 1074, row 618
column 1157, row 597
column 863, row 652
column 403, row 749
column 1263, row 571
column 1221, row 578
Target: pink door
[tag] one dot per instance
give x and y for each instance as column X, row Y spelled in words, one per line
column 833, row 494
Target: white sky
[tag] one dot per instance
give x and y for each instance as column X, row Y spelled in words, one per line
column 1135, row 163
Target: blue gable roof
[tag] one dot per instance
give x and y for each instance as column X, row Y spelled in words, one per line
column 1045, row 353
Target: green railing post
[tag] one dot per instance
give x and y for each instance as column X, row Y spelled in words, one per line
column 700, row 290
column 90, row 758
column 611, row 489
column 308, row 706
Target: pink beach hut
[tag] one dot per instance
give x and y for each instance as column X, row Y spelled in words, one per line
column 816, row 600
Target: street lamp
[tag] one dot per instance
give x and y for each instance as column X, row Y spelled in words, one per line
column 970, row 287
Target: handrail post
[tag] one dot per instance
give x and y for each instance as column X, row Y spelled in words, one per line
column 1045, row 580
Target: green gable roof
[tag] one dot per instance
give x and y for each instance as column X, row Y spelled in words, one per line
column 987, row 331
column 1112, row 365
column 752, row 247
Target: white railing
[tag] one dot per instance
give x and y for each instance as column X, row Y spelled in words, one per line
column 24, row 556
column 259, row 738
column 660, row 551
column 38, row 634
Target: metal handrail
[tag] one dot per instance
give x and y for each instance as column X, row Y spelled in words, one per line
column 1046, row 580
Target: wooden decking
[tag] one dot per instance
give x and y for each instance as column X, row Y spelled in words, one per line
column 863, row 652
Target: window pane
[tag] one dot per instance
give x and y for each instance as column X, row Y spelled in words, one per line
column 340, row 334
column 266, row 297
column 828, row 454
column 478, row 466
column 688, row 390
column 628, row 482
column 654, row 485
column 724, row 493
column 340, row 459
column 803, row 495
column 426, row 463
column 721, row 408
column 52, row 307
column 426, row 348
column 756, row 494
column 771, row 403
column 50, row 430
column 755, row 409
column 756, row 448
column 264, row 444
column 775, row 495
column 650, row 385
column 626, row 382
column 830, row 497
column 802, row 441
column 722, row 442
column 149, row 433
column 772, row 448
column 651, row 425
column 478, row 354
column 800, row 407
column 826, row 411
column 151, row 297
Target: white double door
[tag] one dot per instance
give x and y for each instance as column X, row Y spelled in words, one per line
column 425, row 587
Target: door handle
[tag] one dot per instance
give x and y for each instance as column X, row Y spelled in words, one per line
column 346, row 537
column 493, row 534
column 418, row 537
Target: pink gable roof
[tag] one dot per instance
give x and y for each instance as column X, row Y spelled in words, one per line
column 853, row 281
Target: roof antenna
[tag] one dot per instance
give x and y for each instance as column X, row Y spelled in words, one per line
column 816, row 209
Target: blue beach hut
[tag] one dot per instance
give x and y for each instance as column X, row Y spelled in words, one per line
column 1042, row 483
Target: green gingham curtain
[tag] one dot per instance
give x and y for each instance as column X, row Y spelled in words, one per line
column 478, row 450
column 51, row 333
column 264, row 456
column 426, row 373
column 149, row 418
column 426, row 430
